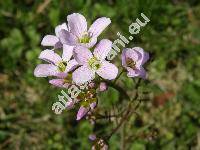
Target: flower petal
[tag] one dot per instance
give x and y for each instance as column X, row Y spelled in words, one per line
column 59, row 28
column 71, row 65
column 140, row 72
column 67, row 38
column 61, row 74
column 144, row 55
column 145, row 58
column 107, row 71
column 82, row 55
column 77, row 24
column 58, row 45
column 98, row 26
column 44, row 70
column 49, row 40
column 67, row 52
column 102, row 49
column 57, row 82
column 82, row 75
column 133, row 54
column 50, row 56
column 81, row 113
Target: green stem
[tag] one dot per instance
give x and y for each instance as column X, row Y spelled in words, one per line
column 129, row 110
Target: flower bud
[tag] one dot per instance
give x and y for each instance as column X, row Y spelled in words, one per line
column 103, row 87
column 92, row 137
column 91, row 85
column 93, row 105
column 81, row 113
column 70, row 104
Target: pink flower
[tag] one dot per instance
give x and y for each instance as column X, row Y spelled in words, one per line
column 93, row 63
column 54, row 40
column 78, row 34
column 58, row 66
column 133, row 59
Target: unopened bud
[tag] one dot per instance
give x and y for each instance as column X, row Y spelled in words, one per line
column 92, row 137
column 103, row 86
column 91, row 85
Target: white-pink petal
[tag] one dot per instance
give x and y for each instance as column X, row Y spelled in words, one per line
column 57, row 82
column 61, row 74
column 58, row 45
column 77, row 24
column 49, row 40
column 133, row 54
column 102, row 49
column 67, row 52
column 50, row 56
column 82, row 75
column 107, row 71
column 144, row 55
column 98, row 26
column 71, row 65
column 59, row 28
column 137, row 72
column 67, row 38
column 82, row 55
column 44, row 70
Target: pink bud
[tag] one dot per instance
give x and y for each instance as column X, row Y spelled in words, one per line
column 91, row 84
column 93, row 105
column 81, row 113
column 70, row 104
column 103, row 86
column 92, row 137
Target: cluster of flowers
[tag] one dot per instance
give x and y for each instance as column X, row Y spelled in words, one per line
column 82, row 59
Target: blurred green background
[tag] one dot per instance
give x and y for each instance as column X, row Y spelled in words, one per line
column 173, row 38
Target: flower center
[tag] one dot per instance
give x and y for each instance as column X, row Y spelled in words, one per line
column 62, row 66
column 85, row 38
column 94, row 63
column 131, row 63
